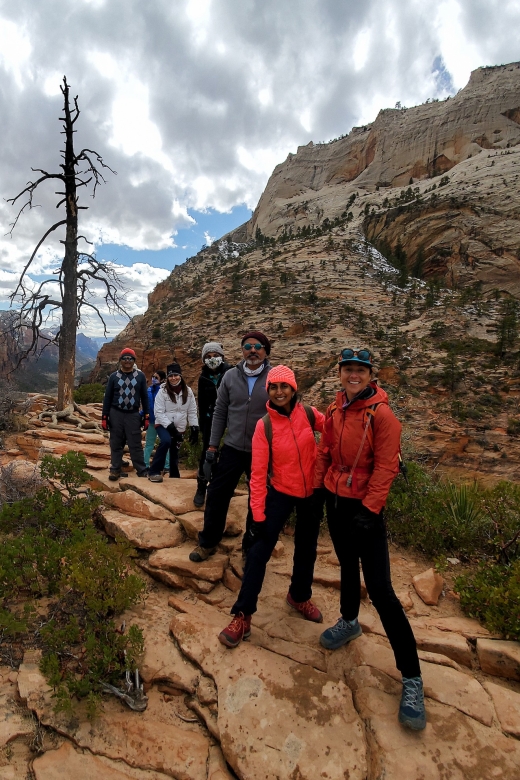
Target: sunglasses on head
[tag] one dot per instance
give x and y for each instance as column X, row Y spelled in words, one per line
column 250, row 346
column 361, row 354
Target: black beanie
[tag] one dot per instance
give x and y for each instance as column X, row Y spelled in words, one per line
column 173, row 368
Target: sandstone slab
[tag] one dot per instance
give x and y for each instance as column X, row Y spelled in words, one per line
column 176, row 495
column 441, row 683
column 467, row 627
column 147, row 741
column 31, row 681
column 452, row 745
column 67, row 763
column 217, row 767
column 507, row 707
column 236, row 516
column 269, row 710
column 193, row 523
column 231, row 581
column 162, row 661
column 141, row 533
column 174, row 580
column 446, row 643
column 177, row 560
column 12, row 724
column 330, row 578
column 131, row 503
column 428, row 585
column 499, row 658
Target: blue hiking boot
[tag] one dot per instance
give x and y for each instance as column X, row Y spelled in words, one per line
column 344, row 631
column 411, row 710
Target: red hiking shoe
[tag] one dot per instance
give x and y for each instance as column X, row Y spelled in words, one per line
column 238, row 629
column 306, row 608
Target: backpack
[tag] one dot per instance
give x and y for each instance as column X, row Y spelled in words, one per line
column 268, row 430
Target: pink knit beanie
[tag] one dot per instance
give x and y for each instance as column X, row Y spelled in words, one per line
column 281, row 374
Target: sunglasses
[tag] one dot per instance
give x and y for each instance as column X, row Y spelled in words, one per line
column 128, row 358
column 361, row 354
column 250, row 346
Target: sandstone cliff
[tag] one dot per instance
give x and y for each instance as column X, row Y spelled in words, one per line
column 321, row 285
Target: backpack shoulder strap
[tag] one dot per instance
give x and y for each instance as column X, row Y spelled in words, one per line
column 370, row 412
column 309, row 411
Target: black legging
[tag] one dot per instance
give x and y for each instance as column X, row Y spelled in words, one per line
column 353, row 544
column 278, row 508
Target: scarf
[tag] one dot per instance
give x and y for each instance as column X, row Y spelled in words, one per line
column 127, row 384
column 253, row 372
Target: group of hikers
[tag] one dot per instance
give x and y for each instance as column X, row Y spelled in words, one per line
column 270, row 437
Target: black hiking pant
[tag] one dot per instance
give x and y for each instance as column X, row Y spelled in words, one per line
column 278, row 508
column 230, row 467
column 125, row 428
column 370, row 545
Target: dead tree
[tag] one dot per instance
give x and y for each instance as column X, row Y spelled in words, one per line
column 69, row 288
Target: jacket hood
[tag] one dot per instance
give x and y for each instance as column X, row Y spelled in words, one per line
column 380, row 397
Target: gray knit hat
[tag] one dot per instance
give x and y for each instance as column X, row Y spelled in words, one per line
column 212, row 346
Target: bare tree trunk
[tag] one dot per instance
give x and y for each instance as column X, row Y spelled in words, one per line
column 75, row 284
column 69, row 323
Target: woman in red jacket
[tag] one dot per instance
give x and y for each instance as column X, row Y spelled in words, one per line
column 287, row 462
column 358, row 459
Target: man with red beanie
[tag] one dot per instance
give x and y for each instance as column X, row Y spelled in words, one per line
column 125, row 393
column 240, row 404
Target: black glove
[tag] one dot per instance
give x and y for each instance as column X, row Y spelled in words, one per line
column 174, row 433
column 194, row 434
column 318, row 503
column 252, row 535
column 209, row 464
column 365, row 520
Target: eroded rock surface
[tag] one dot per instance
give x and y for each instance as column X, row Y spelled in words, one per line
column 276, row 718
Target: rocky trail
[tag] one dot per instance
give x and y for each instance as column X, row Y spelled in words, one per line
column 279, row 705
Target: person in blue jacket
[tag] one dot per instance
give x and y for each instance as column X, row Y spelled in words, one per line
column 151, row 434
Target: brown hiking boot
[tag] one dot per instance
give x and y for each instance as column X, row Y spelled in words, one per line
column 200, row 554
column 306, row 608
column 238, row 629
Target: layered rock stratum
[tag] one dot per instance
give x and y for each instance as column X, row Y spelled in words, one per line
column 435, row 186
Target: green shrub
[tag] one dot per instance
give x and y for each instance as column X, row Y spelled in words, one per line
column 492, row 595
column 90, row 394
column 472, row 522
column 190, row 454
column 513, row 427
column 438, row 517
column 62, row 584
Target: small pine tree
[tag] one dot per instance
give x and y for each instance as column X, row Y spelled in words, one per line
column 265, row 293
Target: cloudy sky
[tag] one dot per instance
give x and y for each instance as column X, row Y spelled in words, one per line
column 193, row 103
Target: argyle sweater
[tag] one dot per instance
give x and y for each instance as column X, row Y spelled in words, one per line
column 126, row 391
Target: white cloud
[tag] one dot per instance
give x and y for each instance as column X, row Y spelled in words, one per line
column 15, row 50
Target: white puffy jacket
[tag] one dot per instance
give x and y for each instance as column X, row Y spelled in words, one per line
column 167, row 411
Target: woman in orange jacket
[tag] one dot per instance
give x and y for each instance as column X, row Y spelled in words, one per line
column 282, row 474
column 358, row 458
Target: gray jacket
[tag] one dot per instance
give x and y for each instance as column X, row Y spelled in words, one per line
column 237, row 410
